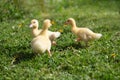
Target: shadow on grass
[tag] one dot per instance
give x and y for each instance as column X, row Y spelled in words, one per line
column 19, row 53
column 22, row 56
column 78, row 46
column 70, row 46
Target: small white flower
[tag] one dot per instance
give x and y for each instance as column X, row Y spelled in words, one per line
column 106, row 56
column 13, row 27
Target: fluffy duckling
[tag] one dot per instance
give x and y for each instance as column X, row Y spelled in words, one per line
column 83, row 34
column 35, row 31
column 34, row 25
column 42, row 43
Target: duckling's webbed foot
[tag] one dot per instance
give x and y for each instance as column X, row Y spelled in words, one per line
column 77, row 40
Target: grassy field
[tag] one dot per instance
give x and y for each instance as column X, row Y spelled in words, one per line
column 70, row 60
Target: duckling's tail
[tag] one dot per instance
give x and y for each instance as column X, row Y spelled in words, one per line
column 57, row 34
column 54, row 35
column 97, row 35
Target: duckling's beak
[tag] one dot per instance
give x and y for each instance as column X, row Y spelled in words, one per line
column 31, row 26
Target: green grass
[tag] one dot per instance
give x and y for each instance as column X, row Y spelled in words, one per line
column 70, row 60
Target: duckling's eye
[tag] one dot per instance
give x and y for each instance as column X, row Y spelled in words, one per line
column 34, row 22
column 68, row 20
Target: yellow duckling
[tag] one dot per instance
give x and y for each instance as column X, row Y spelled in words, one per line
column 35, row 31
column 34, row 25
column 42, row 43
column 83, row 34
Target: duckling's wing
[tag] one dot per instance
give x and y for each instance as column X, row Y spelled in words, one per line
column 53, row 35
column 91, row 35
column 57, row 34
column 40, row 44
